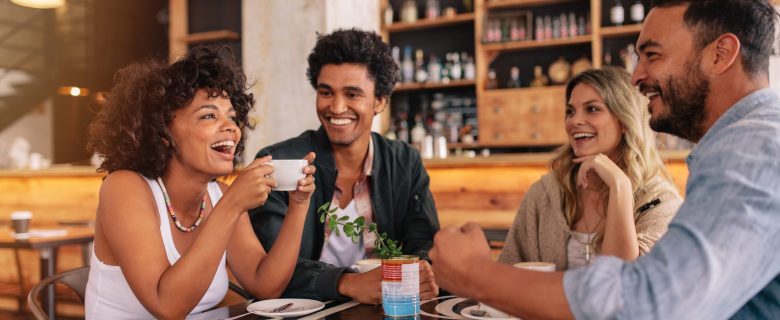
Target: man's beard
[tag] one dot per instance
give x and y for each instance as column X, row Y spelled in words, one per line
column 685, row 98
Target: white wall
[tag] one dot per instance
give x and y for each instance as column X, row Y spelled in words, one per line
column 35, row 126
column 277, row 36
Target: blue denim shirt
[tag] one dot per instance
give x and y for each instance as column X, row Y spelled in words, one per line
column 720, row 257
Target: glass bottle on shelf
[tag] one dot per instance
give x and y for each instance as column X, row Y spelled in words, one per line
column 420, row 74
column 514, row 78
column 396, row 52
column 548, row 28
column 457, row 69
column 434, row 69
column 432, row 10
column 540, row 80
column 403, row 128
column 572, row 24
column 637, row 11
column 409, row 11
column 581, row 26
column 418, row 132
column 469, row 69
column 539, row 27
column 617, row 13
column 492, row 82
column 407, row 66
column 388, row 15
column 564, row 26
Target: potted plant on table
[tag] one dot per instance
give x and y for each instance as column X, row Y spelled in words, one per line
column 400, row 273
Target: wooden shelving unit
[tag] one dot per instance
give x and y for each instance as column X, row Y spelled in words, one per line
column 533, row 44
column 431, row 86
column 500, row 4
column 628, row 30
column 217, row 35
column 498, row 104
column 431, row 23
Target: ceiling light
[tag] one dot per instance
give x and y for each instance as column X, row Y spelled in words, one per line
column 39, row 4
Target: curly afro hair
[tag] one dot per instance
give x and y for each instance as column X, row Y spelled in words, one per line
column 358, row 47
column 132, row 130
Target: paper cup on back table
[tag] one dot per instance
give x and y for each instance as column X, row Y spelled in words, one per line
column 20, row 220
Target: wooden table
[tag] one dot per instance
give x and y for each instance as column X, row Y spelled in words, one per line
column 446, row 307
column 46, row 247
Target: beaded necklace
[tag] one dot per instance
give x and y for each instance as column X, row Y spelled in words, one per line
column 173, row 214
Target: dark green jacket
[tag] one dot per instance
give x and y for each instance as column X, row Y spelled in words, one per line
column 402, row 204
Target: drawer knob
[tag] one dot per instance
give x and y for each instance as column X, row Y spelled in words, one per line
column 536, row 109
column 536, row 135
column 497, row 109
column 498, row 136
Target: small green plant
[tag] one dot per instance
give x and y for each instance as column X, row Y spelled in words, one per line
column 385, row 248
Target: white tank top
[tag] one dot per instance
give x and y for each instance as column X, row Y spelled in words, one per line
column 109, row 296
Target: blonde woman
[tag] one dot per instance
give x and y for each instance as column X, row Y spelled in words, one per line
column 608, row 192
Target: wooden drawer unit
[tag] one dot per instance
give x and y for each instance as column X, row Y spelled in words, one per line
column 522, row 117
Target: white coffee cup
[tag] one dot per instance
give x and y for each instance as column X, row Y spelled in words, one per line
column 287, row 173
column 366, row 265
column 20, row 220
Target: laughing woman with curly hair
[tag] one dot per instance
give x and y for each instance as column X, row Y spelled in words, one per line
column 166, row 229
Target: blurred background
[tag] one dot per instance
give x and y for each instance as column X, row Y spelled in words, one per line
column 481, row 96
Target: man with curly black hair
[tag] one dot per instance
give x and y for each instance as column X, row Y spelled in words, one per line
column 360, row 173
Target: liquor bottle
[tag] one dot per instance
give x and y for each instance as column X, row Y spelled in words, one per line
column 617, row 14
column 556, row 28
column 434, row 69
column 469, row 69
column 572, row 24
column 432, row 10
column 514, row 78
column 637, row 11
column 397, row 56
column 492, row 82
column 420, row 75
column 403, row 128
column 409, row 11
column 418, row 133
column 548, row 29
column 457, row 69
column 407, row 66
column 564, row 26
column 539, row 27
column 389, row 14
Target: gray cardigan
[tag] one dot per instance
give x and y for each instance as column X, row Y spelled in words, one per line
column 540, row 231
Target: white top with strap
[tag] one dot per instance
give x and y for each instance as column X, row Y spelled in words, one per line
column 108, row 294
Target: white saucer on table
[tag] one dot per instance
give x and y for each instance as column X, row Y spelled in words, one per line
column 299, row 307
column 466, row 312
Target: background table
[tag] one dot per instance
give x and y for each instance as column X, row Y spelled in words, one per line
column 47, row 248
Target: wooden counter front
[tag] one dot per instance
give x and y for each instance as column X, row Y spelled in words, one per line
column 488, row 190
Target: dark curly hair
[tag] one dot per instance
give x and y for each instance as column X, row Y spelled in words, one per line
column 131, row 130
column 358, row 47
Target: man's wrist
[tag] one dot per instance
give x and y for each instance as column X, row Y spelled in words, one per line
column 344, row 285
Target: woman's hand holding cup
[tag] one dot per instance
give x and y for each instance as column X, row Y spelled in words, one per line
column 252, row 186
column 306, row 186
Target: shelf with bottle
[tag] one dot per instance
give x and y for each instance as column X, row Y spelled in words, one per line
column 443, row 21
column 541, row 68
column 498, row 4
column 434, row 13
column 536, row 44
column 620, row 31
column 455, row 70
column 620, row 13
column 538, row 28
column 401, row 87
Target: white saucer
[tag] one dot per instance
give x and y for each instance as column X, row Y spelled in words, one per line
column 466, row 312
column 299, row 307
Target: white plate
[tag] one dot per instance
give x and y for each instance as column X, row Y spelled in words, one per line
column 299, row 307
column 466, row 312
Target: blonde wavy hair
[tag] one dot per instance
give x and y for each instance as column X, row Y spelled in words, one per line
column 637, row 154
